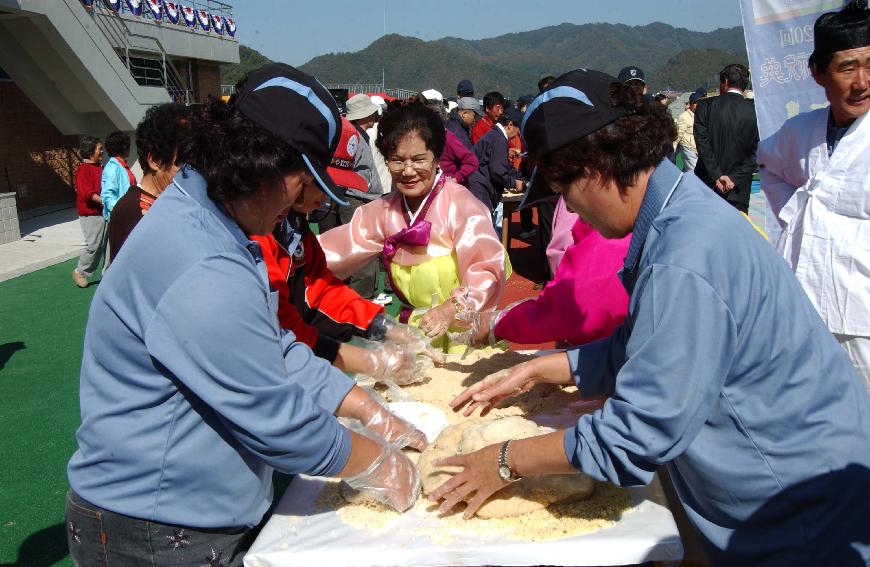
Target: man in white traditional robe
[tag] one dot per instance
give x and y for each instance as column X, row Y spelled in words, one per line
column 815, row 172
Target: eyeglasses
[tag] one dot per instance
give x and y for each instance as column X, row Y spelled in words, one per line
column 399, row 165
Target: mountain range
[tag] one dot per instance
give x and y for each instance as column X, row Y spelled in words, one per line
column 512, row 63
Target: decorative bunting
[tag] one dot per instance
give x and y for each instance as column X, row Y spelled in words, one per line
column 189, row 16
column 156, row 9
column 135, row 7
column 88, row 3
column 113, row 5
column 231, row 27
column 203, row 18
column 217, row 24
column 172, row 13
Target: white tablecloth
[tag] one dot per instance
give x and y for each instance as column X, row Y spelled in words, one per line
column 297, row 536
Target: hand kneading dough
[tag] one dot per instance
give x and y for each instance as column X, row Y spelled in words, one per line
column 521, row 497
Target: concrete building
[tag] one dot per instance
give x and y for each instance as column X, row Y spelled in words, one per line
column 67, row 69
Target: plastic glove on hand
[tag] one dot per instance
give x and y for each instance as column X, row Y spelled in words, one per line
column 414, row 338
column 480, row 328
column 389, row 329
column 395, row 430
column 437, row 320
column 391, row 478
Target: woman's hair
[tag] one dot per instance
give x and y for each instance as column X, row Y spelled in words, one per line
column 234, row 154
column 87, row 145
column 117, row 144
column 398, row 122
column 438, row 107
column 160, row 134
column 619, row 151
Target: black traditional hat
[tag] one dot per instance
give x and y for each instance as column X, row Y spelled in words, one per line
column 838, row 31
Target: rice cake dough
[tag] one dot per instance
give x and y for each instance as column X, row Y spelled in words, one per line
column 521, row 497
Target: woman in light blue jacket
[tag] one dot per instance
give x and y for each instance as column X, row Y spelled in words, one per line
column 117, row 177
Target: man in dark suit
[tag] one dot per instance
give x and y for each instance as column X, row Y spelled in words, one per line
column 726, row 136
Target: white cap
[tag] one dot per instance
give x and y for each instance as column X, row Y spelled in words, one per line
column 432, row 94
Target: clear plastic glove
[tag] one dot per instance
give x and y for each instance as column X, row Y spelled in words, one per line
column 437, row 320
column 391, row 478
column 377, row 419
column 386, row 328
column 480, row 328
column 391, row 361
column 395, row 430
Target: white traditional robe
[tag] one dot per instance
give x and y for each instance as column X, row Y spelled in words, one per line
column 823, row 205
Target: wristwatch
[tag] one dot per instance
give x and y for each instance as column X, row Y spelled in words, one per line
column 504, row 471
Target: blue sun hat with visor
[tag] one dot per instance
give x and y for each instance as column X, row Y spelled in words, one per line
column 573, row 106
column 297, row 108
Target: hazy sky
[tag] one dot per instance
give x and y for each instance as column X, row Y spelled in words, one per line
column 294, row 31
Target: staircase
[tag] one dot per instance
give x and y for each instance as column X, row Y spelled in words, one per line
column 91, row 71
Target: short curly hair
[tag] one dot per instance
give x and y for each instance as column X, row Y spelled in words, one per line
column 416, row 117
column 87, row 146
column 234, row 154
column 161, row 133
column 117, row 144
column 619, row 151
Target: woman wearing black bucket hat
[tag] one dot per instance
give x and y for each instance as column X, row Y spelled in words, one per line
column 722, row 372
column 190, row 393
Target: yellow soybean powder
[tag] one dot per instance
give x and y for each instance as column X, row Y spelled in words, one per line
column 444, row 383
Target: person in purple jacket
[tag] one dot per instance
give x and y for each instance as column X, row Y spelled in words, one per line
column 456, row 160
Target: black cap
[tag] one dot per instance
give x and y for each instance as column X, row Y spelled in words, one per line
column 513, row 114
column 297, row 108
column 631, row 74
column 573, row 106
column 465, row 88
column 525, row 99
column 838, row 31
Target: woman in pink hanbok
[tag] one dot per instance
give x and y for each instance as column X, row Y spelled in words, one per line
column 441, row 253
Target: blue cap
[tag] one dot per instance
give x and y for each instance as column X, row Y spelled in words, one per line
column 465, row 88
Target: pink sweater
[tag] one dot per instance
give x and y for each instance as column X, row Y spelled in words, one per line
column 584, row 302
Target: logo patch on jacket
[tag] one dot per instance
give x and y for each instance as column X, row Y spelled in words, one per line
column 299, row 253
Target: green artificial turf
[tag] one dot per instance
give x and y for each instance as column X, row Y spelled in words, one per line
column 42, row 325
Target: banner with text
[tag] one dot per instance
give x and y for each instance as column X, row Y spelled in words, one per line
column 779, row 41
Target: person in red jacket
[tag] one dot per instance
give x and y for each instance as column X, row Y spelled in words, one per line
column 323, row 312
column 90, row 208
column 493, row 107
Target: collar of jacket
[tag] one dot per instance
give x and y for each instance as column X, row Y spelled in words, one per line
column 663, row 179
column 191, row 183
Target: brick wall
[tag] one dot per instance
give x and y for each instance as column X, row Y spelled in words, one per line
column 206, row 80
column 206, row 77
column 39, row 159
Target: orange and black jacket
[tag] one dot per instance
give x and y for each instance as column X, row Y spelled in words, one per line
column 320, row 309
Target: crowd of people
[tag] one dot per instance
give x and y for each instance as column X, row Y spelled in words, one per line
column 217, row 350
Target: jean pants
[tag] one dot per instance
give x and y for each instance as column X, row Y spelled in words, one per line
column 99, row 537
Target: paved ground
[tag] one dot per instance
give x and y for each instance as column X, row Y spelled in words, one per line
column 46, row 240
